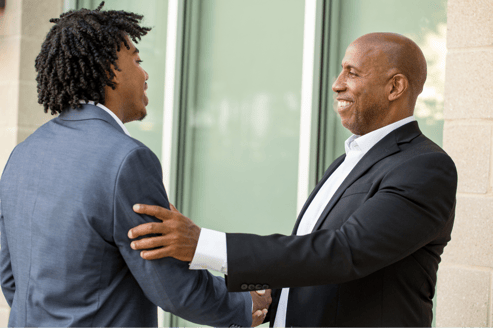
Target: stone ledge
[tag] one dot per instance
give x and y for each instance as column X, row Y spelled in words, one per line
column 470, row 148
column 462, row 297
column 469, row 23
column 472, row 240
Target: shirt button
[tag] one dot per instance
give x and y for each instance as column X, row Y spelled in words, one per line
column 244, row 287
column 251, row 287
column 265, row 286
column 258, row 287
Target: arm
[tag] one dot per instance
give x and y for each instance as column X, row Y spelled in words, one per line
column 195, row 295
column 412, row 207
column 413, row 204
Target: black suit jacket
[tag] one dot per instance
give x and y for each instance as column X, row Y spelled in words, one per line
column 373, row 255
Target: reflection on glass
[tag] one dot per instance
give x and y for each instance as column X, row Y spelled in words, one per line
column 243, row 115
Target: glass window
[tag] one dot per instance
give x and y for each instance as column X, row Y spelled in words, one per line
column 243, row 114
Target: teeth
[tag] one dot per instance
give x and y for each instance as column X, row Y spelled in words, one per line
column 343, row 103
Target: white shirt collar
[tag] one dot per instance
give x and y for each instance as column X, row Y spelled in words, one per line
column 107, row 110
column 367, row 141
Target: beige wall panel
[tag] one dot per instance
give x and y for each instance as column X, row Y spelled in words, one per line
column 31, row 114
column 472, row 238
column 8, row 140
column 23, row 133
column 36, row 17
column 30, row 48
column 10, row 50
column 10, row 24
column 462, row 297
column 3, row 303
column 4, row 317
column 9, row 92
column 470, row 148
column 468, row 84
column 469, row 23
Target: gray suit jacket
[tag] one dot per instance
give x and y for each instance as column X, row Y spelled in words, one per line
column 66, row 206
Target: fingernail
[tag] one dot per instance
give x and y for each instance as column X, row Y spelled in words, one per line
column 132, row 245
column 136, row 207
column 130, row 235
column 142, row 254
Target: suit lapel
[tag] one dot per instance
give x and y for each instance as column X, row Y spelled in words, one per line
column 335, row 164
column 389, row 145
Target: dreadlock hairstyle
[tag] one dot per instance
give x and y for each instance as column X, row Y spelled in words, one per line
column 75, row 59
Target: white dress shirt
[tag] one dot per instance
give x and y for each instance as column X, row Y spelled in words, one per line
column 211, row 252
column 107, row 110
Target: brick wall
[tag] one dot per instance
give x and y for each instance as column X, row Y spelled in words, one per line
column 465, row 275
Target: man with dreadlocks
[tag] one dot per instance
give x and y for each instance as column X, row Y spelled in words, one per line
column 67, row 193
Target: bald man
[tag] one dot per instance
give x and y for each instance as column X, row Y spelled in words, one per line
column 366, row 246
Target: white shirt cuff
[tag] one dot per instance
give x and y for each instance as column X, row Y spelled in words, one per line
column 210, row 252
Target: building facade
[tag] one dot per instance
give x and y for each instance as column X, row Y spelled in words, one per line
column 241, row 112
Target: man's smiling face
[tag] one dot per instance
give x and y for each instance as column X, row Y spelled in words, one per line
column 361, row 88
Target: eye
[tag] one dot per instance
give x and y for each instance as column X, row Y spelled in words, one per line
column 140, row 61
column 351, row 73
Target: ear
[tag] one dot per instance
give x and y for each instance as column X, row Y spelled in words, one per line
column 398, row 85
column 116, row 77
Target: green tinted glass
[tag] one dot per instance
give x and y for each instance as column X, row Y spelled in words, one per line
column 243, row 113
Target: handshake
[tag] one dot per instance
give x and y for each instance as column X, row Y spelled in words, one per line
column 261, row 302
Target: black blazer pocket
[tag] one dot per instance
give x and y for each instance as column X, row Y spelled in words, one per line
column 360, row 188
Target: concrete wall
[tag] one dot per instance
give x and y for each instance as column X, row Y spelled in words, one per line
column 465, row 275
column 23, row 27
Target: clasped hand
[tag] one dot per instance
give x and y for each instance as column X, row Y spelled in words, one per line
column 261, row 302
column 178, row 238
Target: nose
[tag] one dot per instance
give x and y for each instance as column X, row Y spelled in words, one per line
column 339, row 84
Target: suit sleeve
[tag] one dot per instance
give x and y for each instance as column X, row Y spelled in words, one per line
column 413, row 205
column 6, row 274
column 194, row 295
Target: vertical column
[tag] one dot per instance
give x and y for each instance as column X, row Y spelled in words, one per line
column 23, row 27
column 465, row 275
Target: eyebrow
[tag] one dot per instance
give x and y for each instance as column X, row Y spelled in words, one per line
column 350, row 67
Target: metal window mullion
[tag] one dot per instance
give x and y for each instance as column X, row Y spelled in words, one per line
column 171, row 110
column 310, row 98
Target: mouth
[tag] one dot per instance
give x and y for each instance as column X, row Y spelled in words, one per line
column 343, row 104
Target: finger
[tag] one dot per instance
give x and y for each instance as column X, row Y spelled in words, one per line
column 152, row 210
column 155, row 253
column 173, row 208
column 261, row 292
column 258, row 313
column 146, row 229
column 151, row 242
